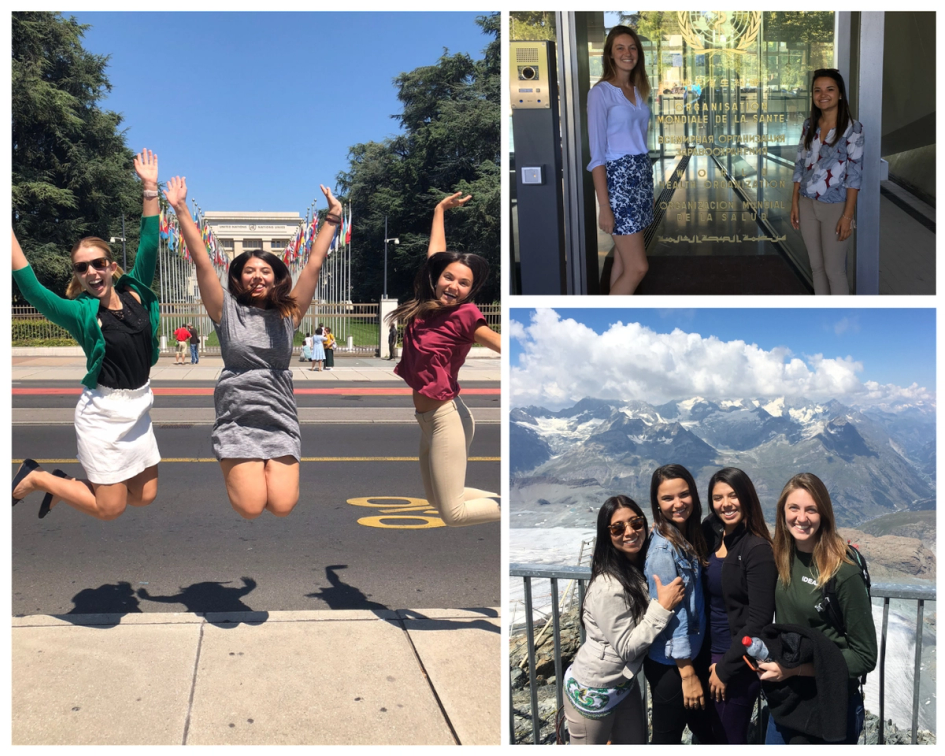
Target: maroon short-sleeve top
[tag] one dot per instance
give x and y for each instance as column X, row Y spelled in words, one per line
column 435, row 348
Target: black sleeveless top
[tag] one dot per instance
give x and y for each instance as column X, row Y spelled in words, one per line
column 127, row 333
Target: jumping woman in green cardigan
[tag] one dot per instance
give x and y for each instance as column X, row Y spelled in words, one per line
column 114, row 316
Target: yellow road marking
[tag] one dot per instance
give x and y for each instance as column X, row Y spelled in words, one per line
column 168, row 460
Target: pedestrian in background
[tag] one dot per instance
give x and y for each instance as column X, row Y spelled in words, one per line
column 318, row 348
column 183, row 338
column 329, row 349
column 194, row 344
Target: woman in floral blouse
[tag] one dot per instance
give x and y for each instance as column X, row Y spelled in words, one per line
column 827, row 176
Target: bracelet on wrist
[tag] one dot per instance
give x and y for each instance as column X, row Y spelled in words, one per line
column 151, row 194
column 332, row 219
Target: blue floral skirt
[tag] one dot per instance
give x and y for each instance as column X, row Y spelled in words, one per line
column 630, row 186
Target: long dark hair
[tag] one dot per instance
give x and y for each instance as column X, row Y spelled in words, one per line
column 638, row 74
column 608, row 561
column 424, row 301
column 690, row 539
column 843, row 108
column 747, row 498
column 279, row 297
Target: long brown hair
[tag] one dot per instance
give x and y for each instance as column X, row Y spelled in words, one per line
column 829, row 552
column 744, row 489
column 424, row 301
column 75, row 287
column 279, row 296
column 690, row 539
column 843, row 108
column 638, row 74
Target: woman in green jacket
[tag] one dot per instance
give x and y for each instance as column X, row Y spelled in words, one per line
column 114, row 317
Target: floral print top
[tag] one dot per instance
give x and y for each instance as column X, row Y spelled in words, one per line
column 825, row 172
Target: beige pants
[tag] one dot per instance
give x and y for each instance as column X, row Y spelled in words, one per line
column 625, row 724
column 446, row 434
column 828, row 255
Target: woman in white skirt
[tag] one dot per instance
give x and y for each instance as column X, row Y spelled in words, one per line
column 114, row 317
column 318, row 348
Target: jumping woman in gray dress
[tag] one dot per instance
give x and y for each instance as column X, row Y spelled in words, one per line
column 256, row 433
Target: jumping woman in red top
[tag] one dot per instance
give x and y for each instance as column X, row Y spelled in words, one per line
column 440, row 326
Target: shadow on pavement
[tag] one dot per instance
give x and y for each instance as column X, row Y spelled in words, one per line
column 209, row 598
column 340, row 595
column 114, row 599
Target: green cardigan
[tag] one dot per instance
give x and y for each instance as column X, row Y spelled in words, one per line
column 79, row 316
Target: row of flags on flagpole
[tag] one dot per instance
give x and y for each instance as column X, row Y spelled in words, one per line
column 298, row 248
column 301, row 244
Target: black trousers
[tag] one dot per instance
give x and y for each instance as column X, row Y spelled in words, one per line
column 670, row 715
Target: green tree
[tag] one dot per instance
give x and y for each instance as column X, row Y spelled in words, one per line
column 72, row 173
column 532, row 25
column 450, row 142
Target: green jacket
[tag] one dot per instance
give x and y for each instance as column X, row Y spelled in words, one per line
column 79, row 316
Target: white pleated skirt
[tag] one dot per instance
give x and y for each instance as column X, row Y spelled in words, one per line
column 113, row 433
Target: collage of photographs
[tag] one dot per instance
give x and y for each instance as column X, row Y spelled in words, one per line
column 471, row 392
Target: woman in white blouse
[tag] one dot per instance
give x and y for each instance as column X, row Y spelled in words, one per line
column 617, row 120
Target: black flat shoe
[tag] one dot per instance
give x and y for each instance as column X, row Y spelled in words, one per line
column 44, row 508
column 25, row 469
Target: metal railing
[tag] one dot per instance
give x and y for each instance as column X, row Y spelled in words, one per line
column 884, row 591
column 359, row 322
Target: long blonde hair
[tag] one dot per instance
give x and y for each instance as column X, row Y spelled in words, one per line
column 75, row 287
column 638, row 74
column 829, row 552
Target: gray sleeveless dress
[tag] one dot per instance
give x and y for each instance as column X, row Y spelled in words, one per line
column 257, row 417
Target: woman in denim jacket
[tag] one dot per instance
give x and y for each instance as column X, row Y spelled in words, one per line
column 677, row 549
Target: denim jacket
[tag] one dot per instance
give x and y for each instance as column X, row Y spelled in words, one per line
column 683, row 635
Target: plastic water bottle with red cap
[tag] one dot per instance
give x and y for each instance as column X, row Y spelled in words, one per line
column 757, row 650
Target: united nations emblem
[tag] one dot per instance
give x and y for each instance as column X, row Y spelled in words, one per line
column 710, row 31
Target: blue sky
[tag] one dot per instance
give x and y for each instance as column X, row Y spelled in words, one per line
column 257, row 109
column 893, row 346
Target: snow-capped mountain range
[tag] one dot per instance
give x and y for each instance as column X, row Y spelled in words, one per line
column 565, row 462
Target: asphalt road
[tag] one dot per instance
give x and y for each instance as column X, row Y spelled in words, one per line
column 189, row 551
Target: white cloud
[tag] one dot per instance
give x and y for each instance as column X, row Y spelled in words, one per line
column 563, row 361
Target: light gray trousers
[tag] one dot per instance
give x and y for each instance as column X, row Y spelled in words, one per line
column 625, row 724
column 828, row 255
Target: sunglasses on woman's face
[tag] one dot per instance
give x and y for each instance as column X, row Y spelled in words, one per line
column 634, row 523
column 99, row 263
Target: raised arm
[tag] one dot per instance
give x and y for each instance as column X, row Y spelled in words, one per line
column 211, row 292
column 146, row 166
column 19, row 259
column 438, row 232
column 308, row 279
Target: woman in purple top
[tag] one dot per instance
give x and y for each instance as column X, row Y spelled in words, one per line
column 617, row 122
column 827, row 177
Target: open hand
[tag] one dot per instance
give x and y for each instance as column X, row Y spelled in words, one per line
column 176, row 193
column 334, row 206
column 454, row 200
column 146, row 166
column 716, row 686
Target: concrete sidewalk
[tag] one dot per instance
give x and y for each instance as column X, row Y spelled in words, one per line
column 57, row 367
column 276, row 678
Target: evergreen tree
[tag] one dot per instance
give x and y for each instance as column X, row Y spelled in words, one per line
column 72, row 173
column 450, row 142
